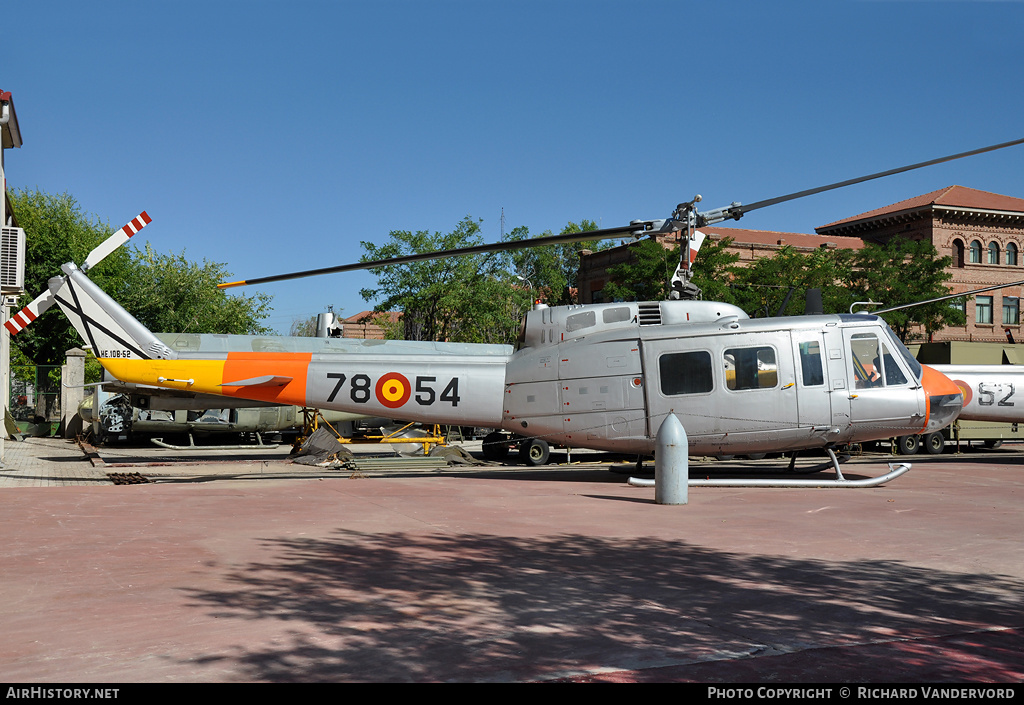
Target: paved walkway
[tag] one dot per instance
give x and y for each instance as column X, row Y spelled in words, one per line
column 509, row 575
column 48, row 462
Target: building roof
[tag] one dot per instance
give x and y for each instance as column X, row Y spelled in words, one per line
column 949, row 197
column 374, row 316
column 11, row 133
column 742, row 236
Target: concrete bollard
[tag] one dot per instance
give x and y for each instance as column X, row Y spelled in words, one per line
column 72, row 392
column 671, row 463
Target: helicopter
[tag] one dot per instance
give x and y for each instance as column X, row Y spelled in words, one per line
column 600, row 376
column 991, row 392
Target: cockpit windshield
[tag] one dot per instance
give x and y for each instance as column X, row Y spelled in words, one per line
column 915, row 366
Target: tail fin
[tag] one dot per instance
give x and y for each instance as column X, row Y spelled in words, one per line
column 102, row 323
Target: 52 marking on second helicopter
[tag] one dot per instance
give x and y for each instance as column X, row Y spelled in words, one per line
column 987, row 393
column 394, row 389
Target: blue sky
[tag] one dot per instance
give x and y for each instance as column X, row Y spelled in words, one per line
column 275, row 136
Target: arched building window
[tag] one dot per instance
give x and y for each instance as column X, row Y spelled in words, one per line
column 1011, row 253
column 993, row 253
column 975, row 252
column 958, row 253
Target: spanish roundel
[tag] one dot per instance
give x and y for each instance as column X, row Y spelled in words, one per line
column 965, row 389
column 393, row 390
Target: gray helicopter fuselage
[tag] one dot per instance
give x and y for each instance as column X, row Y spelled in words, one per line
column 737, row 385
column 601, row 376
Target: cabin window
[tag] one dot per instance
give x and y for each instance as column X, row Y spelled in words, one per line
column 975, row 252
column 983, row 309
column 993, row 253
column 578, row 321
column 751, row 368
column 873, row 364
column 1011, row 254
column 268, row 345
column 810, row 364
column 686, row 373
column 1011, row 310
column 615, row 315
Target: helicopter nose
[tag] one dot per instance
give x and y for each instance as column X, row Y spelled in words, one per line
column 945, row 400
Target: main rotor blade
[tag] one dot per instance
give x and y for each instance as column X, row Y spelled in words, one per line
column 948, row 297
column 735, row 211
column 473, row 250
column 850, row 182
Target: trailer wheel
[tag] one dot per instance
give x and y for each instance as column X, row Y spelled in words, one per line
column 934, row 443
column 495, row 446
column 535, row 451
column 908, row 445
column 993, row 443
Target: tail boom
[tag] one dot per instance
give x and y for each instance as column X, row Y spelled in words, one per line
column 111, row 331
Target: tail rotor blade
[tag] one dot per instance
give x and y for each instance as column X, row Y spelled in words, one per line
column 116, row 240
column 19, row 321
column 41, row 303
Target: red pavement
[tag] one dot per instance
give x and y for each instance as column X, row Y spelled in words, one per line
column 518, row 577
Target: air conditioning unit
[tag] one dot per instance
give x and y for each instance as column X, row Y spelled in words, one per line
column 12, row 260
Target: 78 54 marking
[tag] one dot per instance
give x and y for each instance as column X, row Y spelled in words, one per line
column 394, row 389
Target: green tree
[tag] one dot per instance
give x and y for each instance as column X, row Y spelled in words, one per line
column 470, row 299
column 713, row 270
column 303, row 327
column 57, row 231
column 167, row 293
column 778, row 285
column 553, row 270
column 904, row 272
column 645, row 276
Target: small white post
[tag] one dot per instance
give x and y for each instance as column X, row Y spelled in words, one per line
column 671, row 463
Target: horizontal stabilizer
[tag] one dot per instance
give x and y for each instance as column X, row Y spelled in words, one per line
column 264, row 381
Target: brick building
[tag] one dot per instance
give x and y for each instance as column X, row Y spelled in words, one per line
column 369, row 324
column 982, row 232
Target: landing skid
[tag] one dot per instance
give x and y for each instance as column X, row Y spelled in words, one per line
column 895, row 470
column 192, row 445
